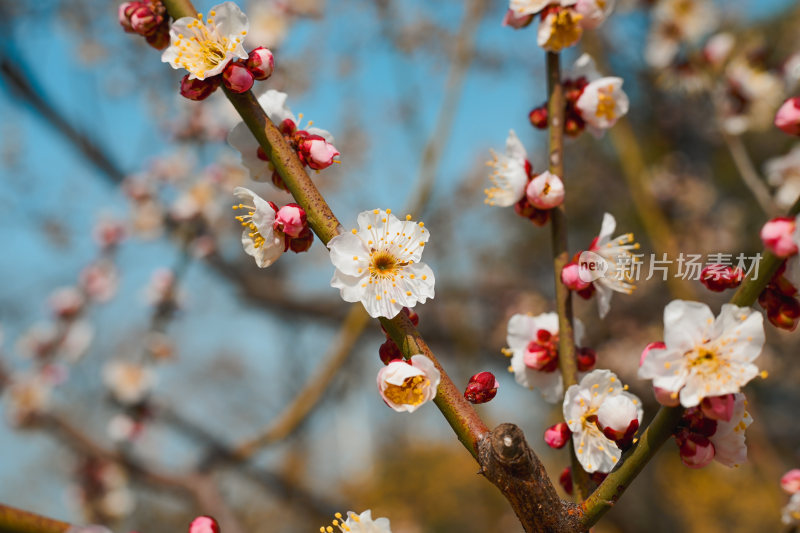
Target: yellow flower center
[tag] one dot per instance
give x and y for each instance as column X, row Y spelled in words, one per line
column 606, row 103
column 205, row 49
column 383, row 265
column 411, row 392
column 247, row 222
column 565, row 30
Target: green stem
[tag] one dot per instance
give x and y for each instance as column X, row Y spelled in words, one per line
column 14, row 520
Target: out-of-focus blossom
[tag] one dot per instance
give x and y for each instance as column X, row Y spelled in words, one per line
column 104, row 490
column 407, row 385
column 269, row 23
column 559, row 28
column 790, row 481
column 778, row 236
column 108, row 232
column 705, row 356
column 675, row 23
column 204, row 49
column 67, row 302
column 129, row 382
column 752, row 95
column 784, row 173
column 99, row 280
column 379, row 265
column 603, row 102
column 27, row 396
column 718, row 48
column 790, row 514
column 788, row 116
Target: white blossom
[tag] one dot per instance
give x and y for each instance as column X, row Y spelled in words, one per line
column 728, row 440
column 510, row 174
column 259, row 238
column 379, row 265
column 616, row 252
column 705, row 356
column 407, row 385
column 603, row 102
column 360, row 523
column 129, row 382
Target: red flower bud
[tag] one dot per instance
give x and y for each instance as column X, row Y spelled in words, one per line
column 696, row 451
column 198, row 89
column 159, row 39
column 586, row 358
column 204, row 524
column 538, row 117
column 565, row 480
column 557, row 436
column 261, row 63
column 302, row 242
column 389, row 351
column 717, row 278
column 237, row 78
column 481, row 388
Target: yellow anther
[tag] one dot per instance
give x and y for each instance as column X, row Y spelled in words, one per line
column 408, row 217
column 354, row 231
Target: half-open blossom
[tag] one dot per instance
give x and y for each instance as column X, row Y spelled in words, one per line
column 379, row 265
column 358, row 523
column 560, row 28
column 261, row 63
column 509, row 175
column 729, row 439
column 316, row 152
column 790, row 481
column 129, row 382
column 259, row 238
column 618, row 256
column 600, row 398
column 291, row 220
column 778, row 236
column 533, row 342
column 545, row 191
column 788, row 116
column 406, row 385
column 603, row 102
column 205, row 48
column 705, row 356
column 594, row 12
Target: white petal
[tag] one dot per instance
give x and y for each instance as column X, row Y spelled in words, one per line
column 604, row 294
column 686, row 324
column 230, row 20
column 352, row 288
column 741, row 332
column 274, row 104
column 349, row 255
column 514, row 147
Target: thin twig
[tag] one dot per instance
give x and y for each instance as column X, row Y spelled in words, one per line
column 748, row 173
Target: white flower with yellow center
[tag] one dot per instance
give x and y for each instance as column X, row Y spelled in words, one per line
column 603, row 102
column 129, row 382
column 560, row 29
column 599, row 400
column 406, row 385
column 259, row 238
column 616, row 252
column 510, row 174
column 358, row 523
column 705, row 356
column 205, row 48
column 378, row 264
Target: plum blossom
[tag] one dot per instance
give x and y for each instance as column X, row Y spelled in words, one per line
column 790, row 515
column 379, row 265
column 259, row 238
column 790, row 481
column 752, row 95
column 27, row 396
column 595, row 408
column 533, row 344
column 603, row 102
column 676, row 22
column 594, row 12
column 205, row 49
column 616, row 252
column 784, row 173
column 545, row 191
column 705, row 356
column 129, row 382
column 406, row 385
column 359, row 523
column 315, row 144
column 559, row 28
column 729, row 440
column 788, row 116
column 510, row 174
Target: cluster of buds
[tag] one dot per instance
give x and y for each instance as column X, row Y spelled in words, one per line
column 698, row 425
column 780, row 300
column 238, row 76
column 482, row 387
column 312, row 149
column 573, row 121
column 718, row 278
column 149, row 19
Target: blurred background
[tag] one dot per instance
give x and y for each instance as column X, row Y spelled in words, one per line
column 151, row 372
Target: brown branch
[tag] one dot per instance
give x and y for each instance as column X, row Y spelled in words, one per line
column 508, row 462
column 14, row 520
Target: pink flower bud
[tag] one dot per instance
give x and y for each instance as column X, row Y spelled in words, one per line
column 570, row 276
column 790, row 482
column 512, row 20
column 718, row 407
column 124, row 13
column 696, row 451
column 261, row 63
column 481, row 388
column 389, row 351
column 291, row 220
column 237, row 78
column 651, row 346
column 317, row 153
column 198, row 89
column 717, row 278
column 788, row 116
column 777, row 236
column 586, row 358
column 538, row 117
column 204, row 524
column 565, row 480
column 545, row 191
column 302, row 242
column 557, row 436
column 144, row 20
